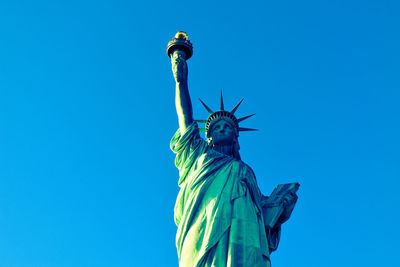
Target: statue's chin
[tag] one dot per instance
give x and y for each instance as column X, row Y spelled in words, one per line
column 222, row 141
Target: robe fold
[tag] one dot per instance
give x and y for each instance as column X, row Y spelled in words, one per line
column 217, row 210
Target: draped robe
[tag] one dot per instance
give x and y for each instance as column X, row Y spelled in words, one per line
column 217, row 210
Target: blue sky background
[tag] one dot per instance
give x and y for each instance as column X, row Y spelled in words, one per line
column 87, row 112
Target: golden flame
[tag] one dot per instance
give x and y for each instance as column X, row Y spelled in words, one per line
column 181, row 35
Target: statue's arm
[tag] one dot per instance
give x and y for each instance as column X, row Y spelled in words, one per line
column 182, row 97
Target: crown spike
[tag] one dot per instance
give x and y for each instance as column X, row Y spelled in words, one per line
column 245, row 117
column 246, row 129
column 236, row 107
column 207, row 108
column 222, row 102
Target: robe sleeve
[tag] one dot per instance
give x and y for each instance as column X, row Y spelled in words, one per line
column 188, row 148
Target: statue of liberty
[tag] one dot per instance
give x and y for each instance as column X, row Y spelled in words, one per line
column 222, row 217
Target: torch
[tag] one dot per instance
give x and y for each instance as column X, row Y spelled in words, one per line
column 182, row 43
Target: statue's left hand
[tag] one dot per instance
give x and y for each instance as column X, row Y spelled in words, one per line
column 289, row 203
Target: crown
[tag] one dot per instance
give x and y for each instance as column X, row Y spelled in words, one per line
column 224, row 114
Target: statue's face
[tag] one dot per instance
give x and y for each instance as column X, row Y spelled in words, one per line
column 222, row 133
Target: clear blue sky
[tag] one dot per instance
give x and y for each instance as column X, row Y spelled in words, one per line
column 87, row 112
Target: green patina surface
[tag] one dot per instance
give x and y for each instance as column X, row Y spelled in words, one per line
column 222, row 217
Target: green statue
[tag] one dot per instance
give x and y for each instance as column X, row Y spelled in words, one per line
column 222, row 217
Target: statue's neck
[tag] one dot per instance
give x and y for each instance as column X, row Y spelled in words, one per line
column 224, row 149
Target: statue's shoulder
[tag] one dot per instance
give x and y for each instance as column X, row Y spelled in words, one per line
column 244, row 164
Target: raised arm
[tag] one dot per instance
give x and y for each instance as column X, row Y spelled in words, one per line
column 182, row 97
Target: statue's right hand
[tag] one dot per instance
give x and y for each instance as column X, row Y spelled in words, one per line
column 179, row 67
